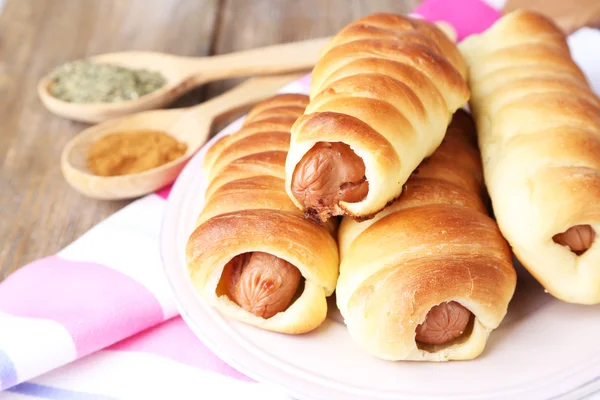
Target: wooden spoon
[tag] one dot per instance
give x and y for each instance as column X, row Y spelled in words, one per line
column 190, row 125
column 185, row 73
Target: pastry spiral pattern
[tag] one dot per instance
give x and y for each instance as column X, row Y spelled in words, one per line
column 381, row 97
column 253, row 255
column 430, row 277
column 539, row 134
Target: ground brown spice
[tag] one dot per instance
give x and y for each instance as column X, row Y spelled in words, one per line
column 124, row 153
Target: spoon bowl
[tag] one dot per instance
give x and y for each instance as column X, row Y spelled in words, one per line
column 74, row 156
column 190, row 126
column 172, row 69
column 183, row 74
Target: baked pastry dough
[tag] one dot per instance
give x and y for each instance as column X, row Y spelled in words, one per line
column 434, row 247
column 249, row 223
column 539, row 134
column 385, row 88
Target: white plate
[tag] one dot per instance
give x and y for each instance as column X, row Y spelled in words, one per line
column 543, row 349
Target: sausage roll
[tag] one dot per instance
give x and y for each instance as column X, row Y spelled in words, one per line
column 539, row 135
column 431, row 275
column 382, row 95
column 253, row 255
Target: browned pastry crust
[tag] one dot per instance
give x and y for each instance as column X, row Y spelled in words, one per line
column 435, row 244
column 539, row 134
column 386, row 86
column 247, row 211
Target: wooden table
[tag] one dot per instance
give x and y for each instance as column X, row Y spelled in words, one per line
column 39, row 212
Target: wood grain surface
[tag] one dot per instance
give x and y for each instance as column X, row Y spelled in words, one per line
column 39, row 213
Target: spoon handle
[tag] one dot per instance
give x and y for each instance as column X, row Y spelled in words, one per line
column 277, row 59
column 251, row 91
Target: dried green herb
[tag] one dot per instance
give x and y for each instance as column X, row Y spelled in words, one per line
column 88, row 82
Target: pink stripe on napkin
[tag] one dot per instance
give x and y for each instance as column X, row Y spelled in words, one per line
column 174, row 340
column 96, row 304
column 468, row 17
column 164, row 192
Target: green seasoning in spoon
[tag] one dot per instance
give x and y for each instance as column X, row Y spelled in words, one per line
column 88, row 82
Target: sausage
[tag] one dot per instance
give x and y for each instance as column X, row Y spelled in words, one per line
column 327, row 174
column 578, row 238
column 443, row 323
column 261, row 283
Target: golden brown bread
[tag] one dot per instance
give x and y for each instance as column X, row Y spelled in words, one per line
column 253, row 255
column 539, row 134
column 386, row 86
column 435, row 245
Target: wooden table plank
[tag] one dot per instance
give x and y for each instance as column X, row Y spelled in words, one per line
column 39, row 212
column 246, row 24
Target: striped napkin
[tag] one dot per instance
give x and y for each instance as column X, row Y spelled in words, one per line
column 98, row 320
